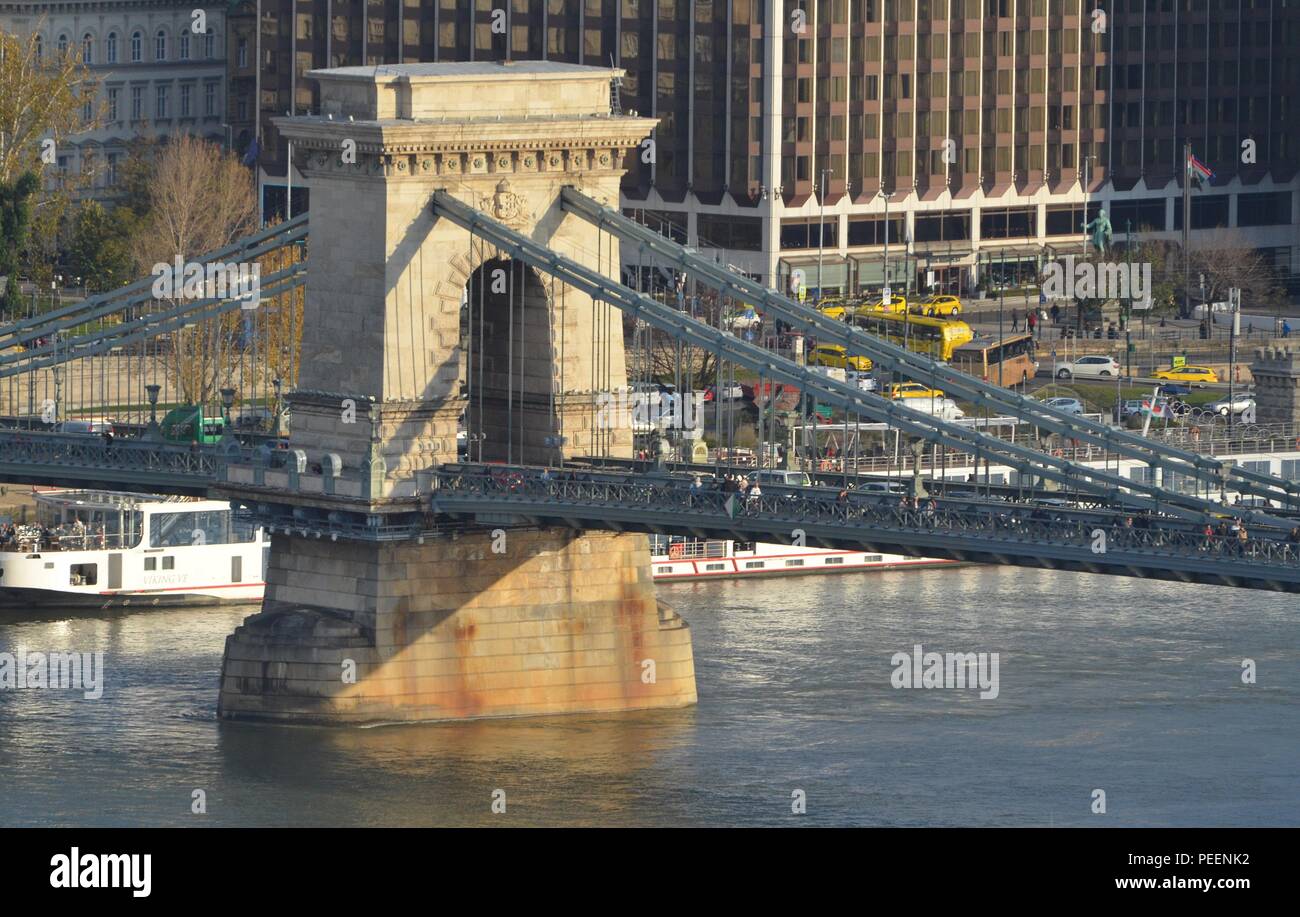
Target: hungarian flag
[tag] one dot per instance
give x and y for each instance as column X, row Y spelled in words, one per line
column 1197, row 169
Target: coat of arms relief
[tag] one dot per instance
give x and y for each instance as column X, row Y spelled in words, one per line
column 506, row 205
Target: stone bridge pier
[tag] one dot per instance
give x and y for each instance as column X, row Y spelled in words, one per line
column 412, row 330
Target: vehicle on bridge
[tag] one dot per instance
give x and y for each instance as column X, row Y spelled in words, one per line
column 186, row 424
column 102, row 549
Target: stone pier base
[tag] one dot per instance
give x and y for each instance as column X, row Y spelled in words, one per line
column 451, row 629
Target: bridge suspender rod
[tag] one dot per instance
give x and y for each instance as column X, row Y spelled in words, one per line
column 839, row 394
column 903, row 360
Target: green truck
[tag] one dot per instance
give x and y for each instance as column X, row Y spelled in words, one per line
column 186, row 424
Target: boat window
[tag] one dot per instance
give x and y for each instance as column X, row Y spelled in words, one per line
column 169, row 563
column 83, row 575
column 151, row 563
column 174, row 530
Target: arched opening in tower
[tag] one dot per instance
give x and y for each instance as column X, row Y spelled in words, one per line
column 507, row 342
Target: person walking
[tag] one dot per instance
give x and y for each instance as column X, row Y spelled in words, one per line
column 1031, row 322
column 1286, row 328
column 1056, row 314
column 1015, row 320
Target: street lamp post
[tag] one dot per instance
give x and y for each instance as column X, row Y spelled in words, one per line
column 152, row 390
column 277, row 383
column 821, row 235
column 227, row 402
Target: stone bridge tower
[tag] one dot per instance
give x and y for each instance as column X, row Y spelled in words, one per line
column 411, row 327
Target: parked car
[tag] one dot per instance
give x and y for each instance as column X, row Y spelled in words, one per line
column 1197, row 375
column 943, row 408
column 836, row 355
column 1089, row 367
column 1130, row 408
column 863, row 380
column 1238, row 403
column 912, row 390
column 725, row 392
column 1069, row 405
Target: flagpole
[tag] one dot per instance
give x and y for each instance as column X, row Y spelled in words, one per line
column 1187, row 222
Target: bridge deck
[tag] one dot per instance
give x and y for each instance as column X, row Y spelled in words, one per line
column 1002, row 533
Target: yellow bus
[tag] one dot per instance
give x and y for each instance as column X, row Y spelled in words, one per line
column 1009, row 361
column 935, row 337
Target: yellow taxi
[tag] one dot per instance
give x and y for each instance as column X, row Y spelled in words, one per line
column 941, row 305
column 832, row 308
column 836, row 356
column 912, row 390
column 1188, row 373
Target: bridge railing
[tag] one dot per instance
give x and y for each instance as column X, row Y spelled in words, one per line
column 83, row 451
column 1017, row 528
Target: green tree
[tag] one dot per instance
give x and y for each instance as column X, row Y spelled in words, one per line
column 15, row 218
column 99, row 245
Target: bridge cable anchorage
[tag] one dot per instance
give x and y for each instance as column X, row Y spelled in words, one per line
column 828, row 390
column 891, row 356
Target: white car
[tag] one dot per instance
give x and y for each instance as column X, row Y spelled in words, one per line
column 864, row 381
column 1240, row 402
column 943, row 408
column 1089, row 367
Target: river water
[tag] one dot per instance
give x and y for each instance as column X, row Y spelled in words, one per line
column 1122, row 685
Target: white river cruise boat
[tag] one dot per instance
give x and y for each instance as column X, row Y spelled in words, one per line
column 674, row 558
column 118, row 549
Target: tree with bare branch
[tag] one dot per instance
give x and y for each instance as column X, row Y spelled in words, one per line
column 199, row 199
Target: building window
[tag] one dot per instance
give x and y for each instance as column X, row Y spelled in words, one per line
column 112, row 104
column 160, row 100
column 111, row 178
column 137, row 47
column 110, row 48
column 242, row 53
column 39, row 48
column 186, row 93
column 209, row 41
column 1267, row 209
column 137, row 103
column 1009, row 223
column 210, row 99
column 160, row 46
column 63, row 45
column 87, row 111
column 184, row 50
column 87, row 49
